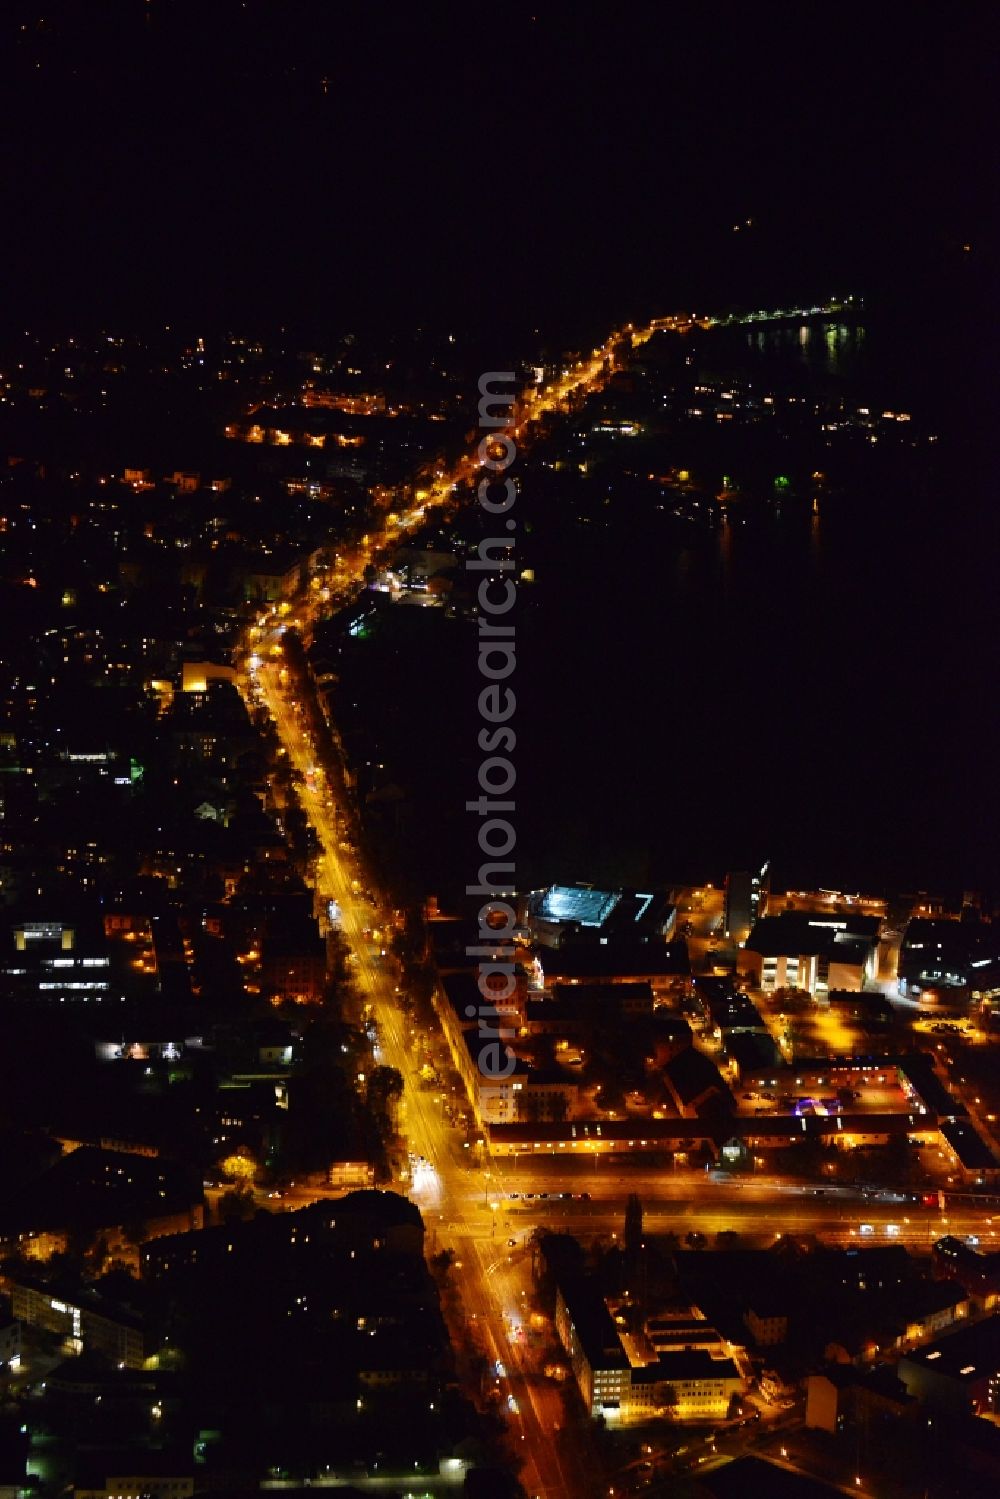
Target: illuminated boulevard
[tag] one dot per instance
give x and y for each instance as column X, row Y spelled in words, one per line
column 468, row 1204
column 453, row 1194
column 464, row 1204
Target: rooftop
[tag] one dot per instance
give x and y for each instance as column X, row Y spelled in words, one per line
column 801, row 934
column 616, row 960
column 685, row 1363
column 577, row 903
column 968, row 1144
column 971, row 1354
column 745, row 1476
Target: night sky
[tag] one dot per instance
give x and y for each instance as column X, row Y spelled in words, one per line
column 314, row 161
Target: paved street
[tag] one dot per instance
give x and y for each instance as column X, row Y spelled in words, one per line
column 476, row 1207
column 472, row 1214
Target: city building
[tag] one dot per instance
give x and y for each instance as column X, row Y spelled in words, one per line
column 528, row 1094
column 57, row 961
column 562, row 914
column 364, row 1221
column 196, row 675
column 694, row 1084
column 871, row 1012
column 150, row 1473
column 676, row 1367
column 945, row 960
column 842, row 1394
column 958, row 1375
column 814, row 953
column 610, row 1137
column 10, row 1345
column 767, row 1320
column 293, row 961
column 603, row 1001
column 117, row 1193
column 933, row 1307
column 84, row 1319
column 660, row 964
column 742, row 1477
column 746, row 894
column 269, row 579
column 750, row 1052
column 977, row 1270
column 970, row 1152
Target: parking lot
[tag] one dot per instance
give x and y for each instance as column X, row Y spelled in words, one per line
column 877, row 1093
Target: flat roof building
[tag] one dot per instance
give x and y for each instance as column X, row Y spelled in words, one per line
column 562, row 913
column 815, row 953
column 55, row 959
column 690, row 1377
column 959, row 1374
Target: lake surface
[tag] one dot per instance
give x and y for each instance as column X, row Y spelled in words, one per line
column 820, row 689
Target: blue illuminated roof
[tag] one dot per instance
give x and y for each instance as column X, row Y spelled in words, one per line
column 578, row 903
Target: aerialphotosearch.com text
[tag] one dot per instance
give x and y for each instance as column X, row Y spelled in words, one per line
column 495, row 806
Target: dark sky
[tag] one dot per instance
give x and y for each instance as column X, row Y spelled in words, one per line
column 318, row 159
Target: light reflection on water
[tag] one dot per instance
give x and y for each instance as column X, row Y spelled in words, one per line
column 831, row 348
column 822, row 669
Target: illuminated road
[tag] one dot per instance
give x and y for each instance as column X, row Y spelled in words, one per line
column 760, row 1208
column 452, row 1195
column 469, row 1206
column 444, row 1186
column 528, row 412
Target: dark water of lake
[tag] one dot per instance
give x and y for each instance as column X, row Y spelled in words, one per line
column 820, row 689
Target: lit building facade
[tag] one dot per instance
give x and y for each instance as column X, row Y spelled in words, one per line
column 684, row 1372
column 746, row 900
column 52, row 961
